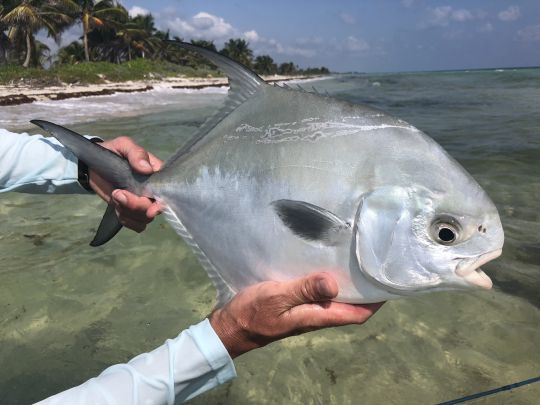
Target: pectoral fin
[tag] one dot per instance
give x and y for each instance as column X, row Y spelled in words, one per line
column 311, row 222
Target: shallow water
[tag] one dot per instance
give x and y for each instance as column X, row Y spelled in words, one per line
column 70, row 310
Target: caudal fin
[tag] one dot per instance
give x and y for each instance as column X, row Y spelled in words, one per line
column 107, row 164
column 108, row 227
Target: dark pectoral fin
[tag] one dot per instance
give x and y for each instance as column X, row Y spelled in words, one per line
column 108, row 227
column 311, row 222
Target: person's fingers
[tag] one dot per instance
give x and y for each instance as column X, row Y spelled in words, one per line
column 154, row 210
column 133, row 225
column 135, row 207
column 131, row 206
column 156, row 162
column 312, row 288
column 131, row 202
column 138, row 158
column 316, row 316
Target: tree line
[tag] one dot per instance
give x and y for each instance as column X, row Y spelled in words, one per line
column 108, row 34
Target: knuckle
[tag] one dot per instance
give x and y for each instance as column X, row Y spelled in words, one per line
column 124, row 139
column 306, row 290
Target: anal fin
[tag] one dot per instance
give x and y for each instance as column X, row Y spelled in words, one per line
column 224, row 291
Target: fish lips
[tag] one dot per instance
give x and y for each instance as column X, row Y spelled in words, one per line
column 469, row 269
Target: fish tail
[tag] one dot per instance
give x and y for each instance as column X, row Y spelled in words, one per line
column 108, row 165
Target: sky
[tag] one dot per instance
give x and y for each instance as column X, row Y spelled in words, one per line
column 361, row 35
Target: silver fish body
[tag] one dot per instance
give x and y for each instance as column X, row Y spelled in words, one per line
column 318, row 150
column 283, row 183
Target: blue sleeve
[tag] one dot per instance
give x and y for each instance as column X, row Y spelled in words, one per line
column 34, row 164
column 184, row 367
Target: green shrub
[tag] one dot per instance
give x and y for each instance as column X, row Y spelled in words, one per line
column 99, row 72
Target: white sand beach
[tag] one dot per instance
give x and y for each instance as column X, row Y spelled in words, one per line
column 22, row 93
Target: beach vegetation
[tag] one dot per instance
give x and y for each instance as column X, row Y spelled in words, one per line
column 264, row 65
column 24, row 18
column 239, row 50
column 71, row 54
column 99, row 72
column 109, row 36
column 97, row 15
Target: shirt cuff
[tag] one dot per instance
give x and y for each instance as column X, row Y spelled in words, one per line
column 213, row 350
column 83, row 172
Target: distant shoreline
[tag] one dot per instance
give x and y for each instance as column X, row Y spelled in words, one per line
column 16, row 94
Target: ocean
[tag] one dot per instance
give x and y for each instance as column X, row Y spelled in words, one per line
column 69, row 310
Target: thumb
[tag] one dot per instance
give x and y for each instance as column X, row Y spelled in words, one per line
column 313, row 288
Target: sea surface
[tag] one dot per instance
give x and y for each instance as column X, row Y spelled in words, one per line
column 68, row 310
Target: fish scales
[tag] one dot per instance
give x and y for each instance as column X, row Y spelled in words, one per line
column 282, row 183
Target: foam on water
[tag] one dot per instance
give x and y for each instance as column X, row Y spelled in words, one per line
column 92, row 108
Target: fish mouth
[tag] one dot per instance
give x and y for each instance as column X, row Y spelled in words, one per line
column 469, row 269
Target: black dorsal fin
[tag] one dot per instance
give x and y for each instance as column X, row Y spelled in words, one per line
column 311, row 222
column 243, row 84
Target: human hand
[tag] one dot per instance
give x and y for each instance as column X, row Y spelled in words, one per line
column 134, row 212
column 269, row 311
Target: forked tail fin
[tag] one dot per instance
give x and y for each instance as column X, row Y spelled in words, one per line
column 107, row 164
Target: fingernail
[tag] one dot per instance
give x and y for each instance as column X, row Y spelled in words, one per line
column 119, row 197
column 324, row 288
column 145, row 164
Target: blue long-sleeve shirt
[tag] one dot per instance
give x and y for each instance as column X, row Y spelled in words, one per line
column 192, row 363
column 181, row 369
column 35, row 164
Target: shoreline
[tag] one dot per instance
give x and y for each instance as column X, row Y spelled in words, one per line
column 24, row 94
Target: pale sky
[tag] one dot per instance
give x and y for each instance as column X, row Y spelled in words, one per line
column 372, row 36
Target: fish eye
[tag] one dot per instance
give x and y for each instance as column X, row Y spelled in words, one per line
column 445, row 230
column 447, row 235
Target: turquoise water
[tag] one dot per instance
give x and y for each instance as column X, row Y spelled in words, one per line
column 70, row 310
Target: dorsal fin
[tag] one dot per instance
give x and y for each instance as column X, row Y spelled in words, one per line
column 240, row 77
column 243, row 84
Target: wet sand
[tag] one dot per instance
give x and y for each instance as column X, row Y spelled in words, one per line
column 16, row 94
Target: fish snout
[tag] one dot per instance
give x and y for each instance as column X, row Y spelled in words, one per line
column 469, row 269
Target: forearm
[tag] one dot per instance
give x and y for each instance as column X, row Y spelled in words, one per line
column 34, row 164
column 181, row 369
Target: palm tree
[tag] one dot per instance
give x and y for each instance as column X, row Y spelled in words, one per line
column 72, row 53
column 140, row 32
column 4, row 40
column 96, row 14
column 41, row 54
column 130, row 36
column 238, row 49
column 288, row 68
column 145, row 22
column 30, row 16
column 264, row 65
column 5, row 43
column 204, row 44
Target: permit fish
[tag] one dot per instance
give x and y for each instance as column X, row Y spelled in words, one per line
column 280, row 183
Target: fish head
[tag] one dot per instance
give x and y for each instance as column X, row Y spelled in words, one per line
column 415, row 239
